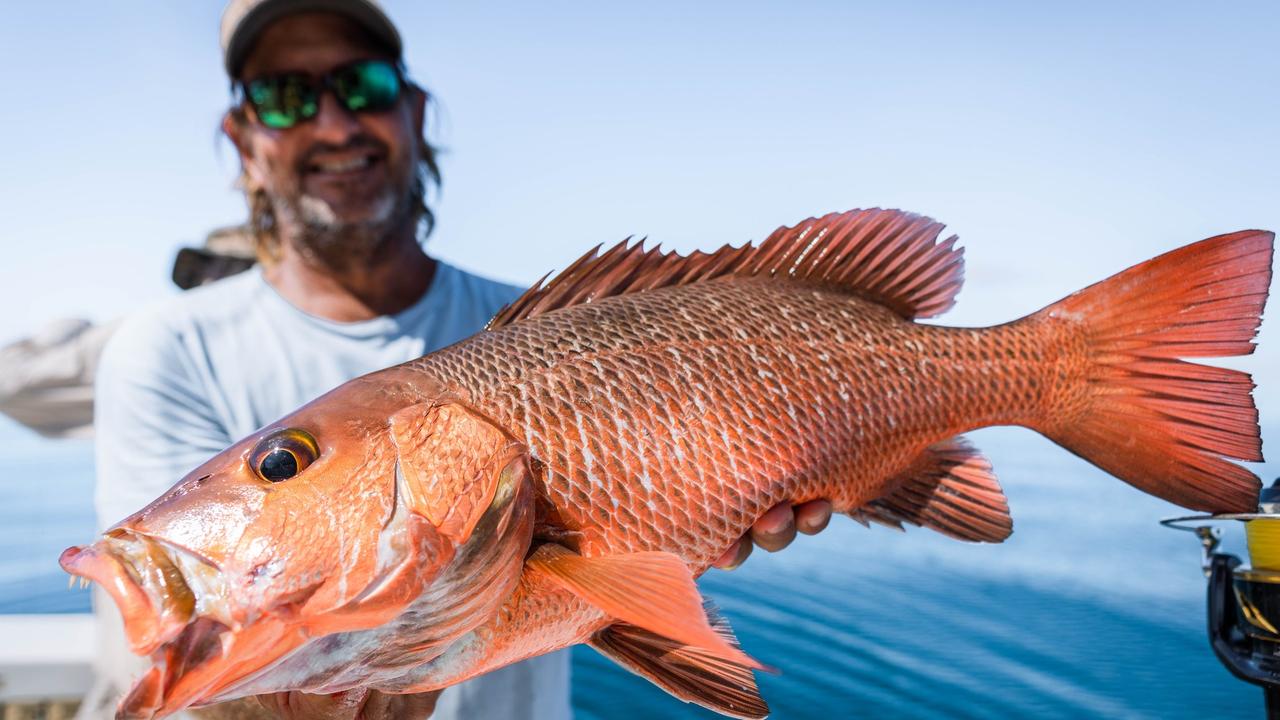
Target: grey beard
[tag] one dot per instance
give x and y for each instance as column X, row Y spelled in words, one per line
column 321, row 237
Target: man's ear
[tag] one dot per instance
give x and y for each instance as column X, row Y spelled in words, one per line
column 452, row 463
column 237, row 131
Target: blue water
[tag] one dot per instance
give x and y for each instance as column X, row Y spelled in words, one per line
column 1090, row 610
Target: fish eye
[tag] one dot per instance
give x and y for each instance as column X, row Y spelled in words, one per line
column 283, row 454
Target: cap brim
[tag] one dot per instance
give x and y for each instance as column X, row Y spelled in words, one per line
column 245, row 33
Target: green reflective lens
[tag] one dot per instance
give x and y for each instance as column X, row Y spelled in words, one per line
column 282, row 101
column 370, row 85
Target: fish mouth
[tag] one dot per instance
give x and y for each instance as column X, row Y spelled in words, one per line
column 174, row 607
column 146, row 579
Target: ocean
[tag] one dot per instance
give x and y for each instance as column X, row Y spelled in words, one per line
column 1090, row 610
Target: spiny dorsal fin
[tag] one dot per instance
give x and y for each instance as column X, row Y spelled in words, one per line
column 949, row 488
column 887, row 256
column 687, row 672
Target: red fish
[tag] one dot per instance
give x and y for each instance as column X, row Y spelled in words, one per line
column 565, row 475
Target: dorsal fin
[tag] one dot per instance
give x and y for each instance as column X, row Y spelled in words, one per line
column 887, row 256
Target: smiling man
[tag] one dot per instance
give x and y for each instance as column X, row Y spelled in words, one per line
column 335, row 168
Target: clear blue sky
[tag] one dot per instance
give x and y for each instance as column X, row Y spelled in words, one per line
column 1062, row 141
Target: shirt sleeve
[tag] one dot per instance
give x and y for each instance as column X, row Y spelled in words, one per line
column 152, row 416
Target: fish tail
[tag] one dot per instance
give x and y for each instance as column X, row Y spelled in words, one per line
column 1126, row 401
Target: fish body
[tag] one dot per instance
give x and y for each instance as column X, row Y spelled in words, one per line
column 564, row 476
column 697, row 408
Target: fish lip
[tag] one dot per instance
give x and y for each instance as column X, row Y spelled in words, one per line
column 145, row 579
column 143, row 626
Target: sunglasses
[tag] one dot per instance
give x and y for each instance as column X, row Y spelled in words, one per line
column 284, row 100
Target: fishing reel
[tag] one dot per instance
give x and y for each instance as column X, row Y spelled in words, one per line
column 1244, row 599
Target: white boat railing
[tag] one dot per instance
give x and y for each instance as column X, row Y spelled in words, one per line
column 45, row 659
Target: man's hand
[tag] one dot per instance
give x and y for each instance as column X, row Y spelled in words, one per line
column 776, row 529
column 359, row 704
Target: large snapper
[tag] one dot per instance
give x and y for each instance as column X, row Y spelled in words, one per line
column 565, row 475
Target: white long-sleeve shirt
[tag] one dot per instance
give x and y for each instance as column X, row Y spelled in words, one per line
column 180, row 382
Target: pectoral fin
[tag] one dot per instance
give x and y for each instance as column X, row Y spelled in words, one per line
column 689, row 673
column 652, row 590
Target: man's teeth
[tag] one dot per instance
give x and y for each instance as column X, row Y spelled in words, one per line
column 338, row 166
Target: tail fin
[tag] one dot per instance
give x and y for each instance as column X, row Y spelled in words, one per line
column 1159, row 423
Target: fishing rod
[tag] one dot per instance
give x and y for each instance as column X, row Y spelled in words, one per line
column 1244, row 599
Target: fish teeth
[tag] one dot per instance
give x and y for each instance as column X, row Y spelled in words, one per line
column 71, row 580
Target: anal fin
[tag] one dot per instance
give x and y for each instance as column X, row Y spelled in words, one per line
column 950, row 488
column 689, row 673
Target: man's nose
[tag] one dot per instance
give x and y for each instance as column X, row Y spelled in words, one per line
column 334, row 124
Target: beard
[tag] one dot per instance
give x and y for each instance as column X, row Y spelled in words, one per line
column 341, row 244
column 322, row 235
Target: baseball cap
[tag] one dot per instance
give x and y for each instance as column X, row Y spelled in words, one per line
column 244, row 20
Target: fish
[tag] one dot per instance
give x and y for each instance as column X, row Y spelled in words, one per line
column 565, row 475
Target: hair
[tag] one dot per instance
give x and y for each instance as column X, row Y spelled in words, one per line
column 262, row 219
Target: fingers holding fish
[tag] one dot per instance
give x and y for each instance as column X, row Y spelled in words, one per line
column 295, row 705
column 777, row 529
column 362, row 703
column 813, row 517
column 735, row 555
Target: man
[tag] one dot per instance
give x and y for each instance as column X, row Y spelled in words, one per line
column 335, row 167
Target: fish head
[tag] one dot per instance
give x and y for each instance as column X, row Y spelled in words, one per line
column 334, row 520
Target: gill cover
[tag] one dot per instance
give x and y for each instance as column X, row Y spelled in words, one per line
column 452, row 465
